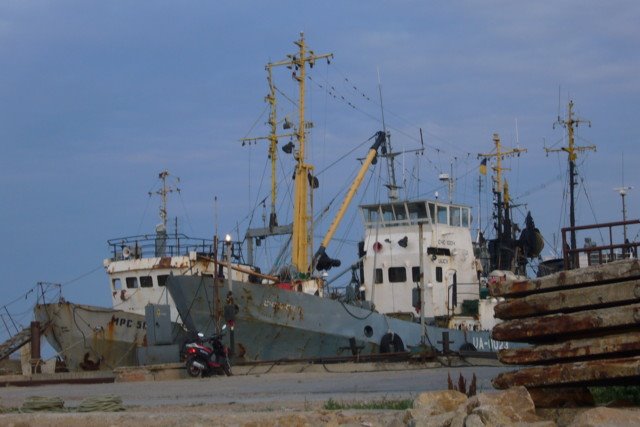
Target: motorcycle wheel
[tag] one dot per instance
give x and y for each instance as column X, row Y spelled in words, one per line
column 226, row 367
column 193, row 370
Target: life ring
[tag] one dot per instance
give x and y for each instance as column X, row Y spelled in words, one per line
column 391, row 343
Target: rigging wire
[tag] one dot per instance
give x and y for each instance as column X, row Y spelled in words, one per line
column 151, row 191
column 186, row 213
column 344, row 156
column 362, row 95
column 342, row 98
column 82, row 276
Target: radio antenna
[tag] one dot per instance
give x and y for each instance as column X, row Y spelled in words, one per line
column 386, row 150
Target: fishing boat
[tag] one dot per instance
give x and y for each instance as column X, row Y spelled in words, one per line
column 415, row 283
column 90, row 337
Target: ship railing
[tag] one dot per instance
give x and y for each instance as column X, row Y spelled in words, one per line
column 158, row 245
column 600, row 254
column 458, row 291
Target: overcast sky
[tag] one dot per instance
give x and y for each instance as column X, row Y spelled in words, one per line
column 98, row 97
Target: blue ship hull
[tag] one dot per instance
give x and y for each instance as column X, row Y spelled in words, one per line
column 271, row 323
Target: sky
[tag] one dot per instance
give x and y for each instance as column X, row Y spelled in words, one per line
column 99, row 97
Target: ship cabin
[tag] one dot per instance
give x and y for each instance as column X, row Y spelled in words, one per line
column 391, row 262
column 139, row 267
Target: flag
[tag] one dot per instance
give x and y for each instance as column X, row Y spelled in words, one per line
column 483, row 166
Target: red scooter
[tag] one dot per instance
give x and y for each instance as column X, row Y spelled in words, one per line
column 205, row 357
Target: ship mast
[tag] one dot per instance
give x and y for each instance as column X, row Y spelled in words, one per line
column 572, row 153
column 273, row 143
column 301, row 239
column 501, row 194
column 163, row 193
column 387, row 152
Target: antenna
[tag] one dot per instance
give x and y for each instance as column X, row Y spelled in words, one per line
column 392, row 185
column 448, row 178
column 623, row 192
column 215, row 216
column 163, row 193
column 559, row 101
column 384, row 127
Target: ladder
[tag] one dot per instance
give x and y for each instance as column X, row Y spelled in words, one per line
column 15, row 342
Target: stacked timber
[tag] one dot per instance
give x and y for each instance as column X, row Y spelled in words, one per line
column 583, row 326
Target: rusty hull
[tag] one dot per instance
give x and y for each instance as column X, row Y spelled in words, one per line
column 567, row 326
column 588, row 373
column 617, row 345
column 569, row 300
column 598, row 274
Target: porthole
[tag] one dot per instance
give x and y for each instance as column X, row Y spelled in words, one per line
column 368, row 331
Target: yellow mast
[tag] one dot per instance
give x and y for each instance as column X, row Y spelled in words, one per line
column 273, row 143
column 501, row 190
column 500, row 155
column 301, row 240
column 571, row 151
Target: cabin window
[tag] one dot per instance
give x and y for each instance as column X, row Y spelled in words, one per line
column 387, row 213
column 397, row 274
column 455, row 216
column 401, row 213
column 439, row 274
column 162, row 279
column 132, row 282
column 372, row 215
column 146, row 282
column 116, row 284
column 465, row 218
column 432, row 212
column 442, row 214
column 415, row 274
column 378, row 275
column 418, row 211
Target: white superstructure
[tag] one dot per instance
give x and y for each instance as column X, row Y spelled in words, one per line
column 391, row 263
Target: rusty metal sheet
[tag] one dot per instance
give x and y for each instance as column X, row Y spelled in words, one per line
column 573, row 325
column 569, row 300
column 605, row 273
column 588, row 373
column 612, row 346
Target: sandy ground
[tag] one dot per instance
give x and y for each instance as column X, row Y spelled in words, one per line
column 274, row 399
column 211, row 415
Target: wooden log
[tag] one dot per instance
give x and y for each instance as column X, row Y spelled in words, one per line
column 569, row 300
column 588, row 373
column 574, row 325
column 597, row 274
column 561, row 397
column 611, row 346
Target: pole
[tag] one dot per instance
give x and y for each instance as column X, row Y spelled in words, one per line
column 421, row 253
column 572, row 151
column 572, row 211
column 230, row 285
column 228, row 256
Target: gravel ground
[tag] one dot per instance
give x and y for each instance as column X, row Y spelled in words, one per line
column 292, row 399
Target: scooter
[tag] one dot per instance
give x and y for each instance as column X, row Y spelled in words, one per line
column 205, row 357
